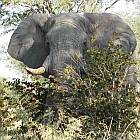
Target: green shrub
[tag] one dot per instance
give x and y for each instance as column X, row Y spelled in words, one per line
column 102, row 100
column 100, row 104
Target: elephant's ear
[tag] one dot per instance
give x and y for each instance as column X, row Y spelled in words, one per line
column 28, row 39
column 105, row 26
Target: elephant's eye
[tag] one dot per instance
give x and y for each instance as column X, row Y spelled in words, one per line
column 47, row 43
column 84, row 43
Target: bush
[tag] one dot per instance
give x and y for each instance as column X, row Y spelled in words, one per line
column 102, row 100
column 100, row 104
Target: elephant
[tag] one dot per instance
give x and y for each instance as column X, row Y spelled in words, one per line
column 47, row 44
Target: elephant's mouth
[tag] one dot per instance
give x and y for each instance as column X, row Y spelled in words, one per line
column 38, row 71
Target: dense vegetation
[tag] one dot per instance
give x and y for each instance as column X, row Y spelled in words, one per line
column 97, row 105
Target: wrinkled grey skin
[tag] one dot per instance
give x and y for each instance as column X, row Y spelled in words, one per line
column 56, row 41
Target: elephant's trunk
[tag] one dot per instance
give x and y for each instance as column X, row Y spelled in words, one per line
column 38, row 71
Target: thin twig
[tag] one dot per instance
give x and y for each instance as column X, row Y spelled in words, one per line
column 110, row 127
column 79, row 5
column 127, row 128
column 124, row 77
column 111, row 5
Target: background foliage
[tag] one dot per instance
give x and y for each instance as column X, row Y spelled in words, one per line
column 46, row 6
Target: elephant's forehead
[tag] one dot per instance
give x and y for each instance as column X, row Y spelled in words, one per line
column 65, row 34
column 71, row 19
column 68, row 21
column 64, row 30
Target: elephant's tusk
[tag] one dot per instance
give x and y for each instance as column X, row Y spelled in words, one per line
column 37, row 71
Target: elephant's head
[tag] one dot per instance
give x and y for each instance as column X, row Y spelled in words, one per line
column 66, row 35
column 47, row 45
